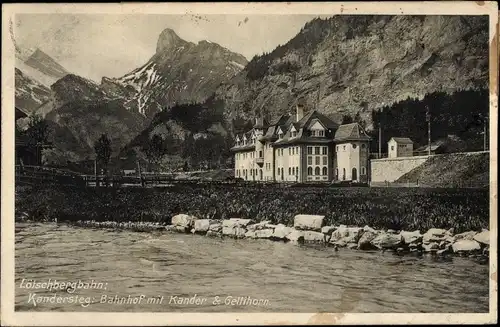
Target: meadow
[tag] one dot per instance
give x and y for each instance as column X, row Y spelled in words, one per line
column 380, row 208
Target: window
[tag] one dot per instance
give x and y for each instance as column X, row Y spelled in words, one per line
column 297, row 150
column 343, row 174
column 363, row 171
column 261, row 154
column 392, row 147
column 325, row 171
column 280, row 135
column 325, row 150
column 337, row 148
column 289, row 151
column 282, row 151
column 321, row 133
column 354, row 146
column 309, row 171
column 316, row 171
column 279, row 170
column 316, row 150
column 309, row 150
column 344, row 147
column 289, row 171
column 294, row 134
column 337, row 173
column 309, row 160
column 325, row 161
column 317, row 160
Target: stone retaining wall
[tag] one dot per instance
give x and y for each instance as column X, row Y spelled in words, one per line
column 311, row 229
column 391, row 169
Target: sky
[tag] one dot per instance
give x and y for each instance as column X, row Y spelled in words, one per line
column 111, row 45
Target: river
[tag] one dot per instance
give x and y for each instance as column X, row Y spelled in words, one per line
column 229, row 275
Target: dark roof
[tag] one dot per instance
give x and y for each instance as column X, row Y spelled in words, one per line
column 248, row 147
column 351, row 132
column 403, row 140
column 260, row 123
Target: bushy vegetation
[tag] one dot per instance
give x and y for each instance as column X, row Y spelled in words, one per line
column 394, row 208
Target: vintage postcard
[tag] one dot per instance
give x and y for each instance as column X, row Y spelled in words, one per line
column 249, row 163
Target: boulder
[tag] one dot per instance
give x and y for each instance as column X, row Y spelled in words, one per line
column 344, row 235
column 261, row 225
column 250, row 234
column 466, row 246
column 281, row 231
column 483, row 237
column 391, row 231
column 234, row 231
column 201, row 225
column 183, row 220
column 434, row 235
column 295, row 236
column 352, row 246
column 365, row 240
column 264, row 233
column 312, row 237
column 430, row 247
column 236, row 222
column 328, row 229
column 308, row 222
column 411, row 237
column 387, row 241
column 215, row 227
column 465, row 236
column 369, row 229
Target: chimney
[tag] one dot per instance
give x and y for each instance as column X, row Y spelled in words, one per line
column 300, row 109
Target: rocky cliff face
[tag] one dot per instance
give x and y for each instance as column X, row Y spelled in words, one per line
column 351, row 64
column 179, row 72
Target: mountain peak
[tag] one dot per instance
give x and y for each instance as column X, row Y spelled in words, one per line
column 168, row 40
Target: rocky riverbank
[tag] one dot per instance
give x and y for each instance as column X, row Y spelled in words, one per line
column 311, row 229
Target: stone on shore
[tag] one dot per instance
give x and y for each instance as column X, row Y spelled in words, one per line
column 264, row 233
column 469, row 236
column 236, row 222
column 234, row 231
column 483, row 237
column 345, row 235
column 295, row 236
column 369, row 229
column 387, row 241
column 430, row 247
column 281, row 231
column 201, row 225
column 250, row 234
column 314, row 237
column 328, row 230
column 261, row 225
column 170, row 228
column 215, row 227
column 308, row 222
column 411, row 237
column 466, row 246
column 365, row 240
column 434, row 235
column 183, row 220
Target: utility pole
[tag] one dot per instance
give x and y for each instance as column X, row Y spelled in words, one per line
column 95, row 174
column 428, row 118
column 379, row 142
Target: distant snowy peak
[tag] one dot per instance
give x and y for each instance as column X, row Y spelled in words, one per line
column 38, row 65
column 178, row 72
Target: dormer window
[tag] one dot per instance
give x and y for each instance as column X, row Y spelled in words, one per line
column 280, row 134
column 317, row 133
column 294, row 134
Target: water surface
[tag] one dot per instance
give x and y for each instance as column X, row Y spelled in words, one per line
column 285, row 277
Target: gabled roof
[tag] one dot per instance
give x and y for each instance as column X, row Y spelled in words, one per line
column 351, row 132
column 402, row 140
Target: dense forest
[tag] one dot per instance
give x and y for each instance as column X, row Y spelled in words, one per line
column 462, row 113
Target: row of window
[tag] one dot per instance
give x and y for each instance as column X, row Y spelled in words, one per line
column 317, row 160
column 317, row 171
column 292, row 171
column 317, row 150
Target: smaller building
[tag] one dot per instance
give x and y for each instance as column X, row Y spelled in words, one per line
column 400, row 147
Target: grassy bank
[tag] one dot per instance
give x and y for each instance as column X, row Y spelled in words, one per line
column 390, row 208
